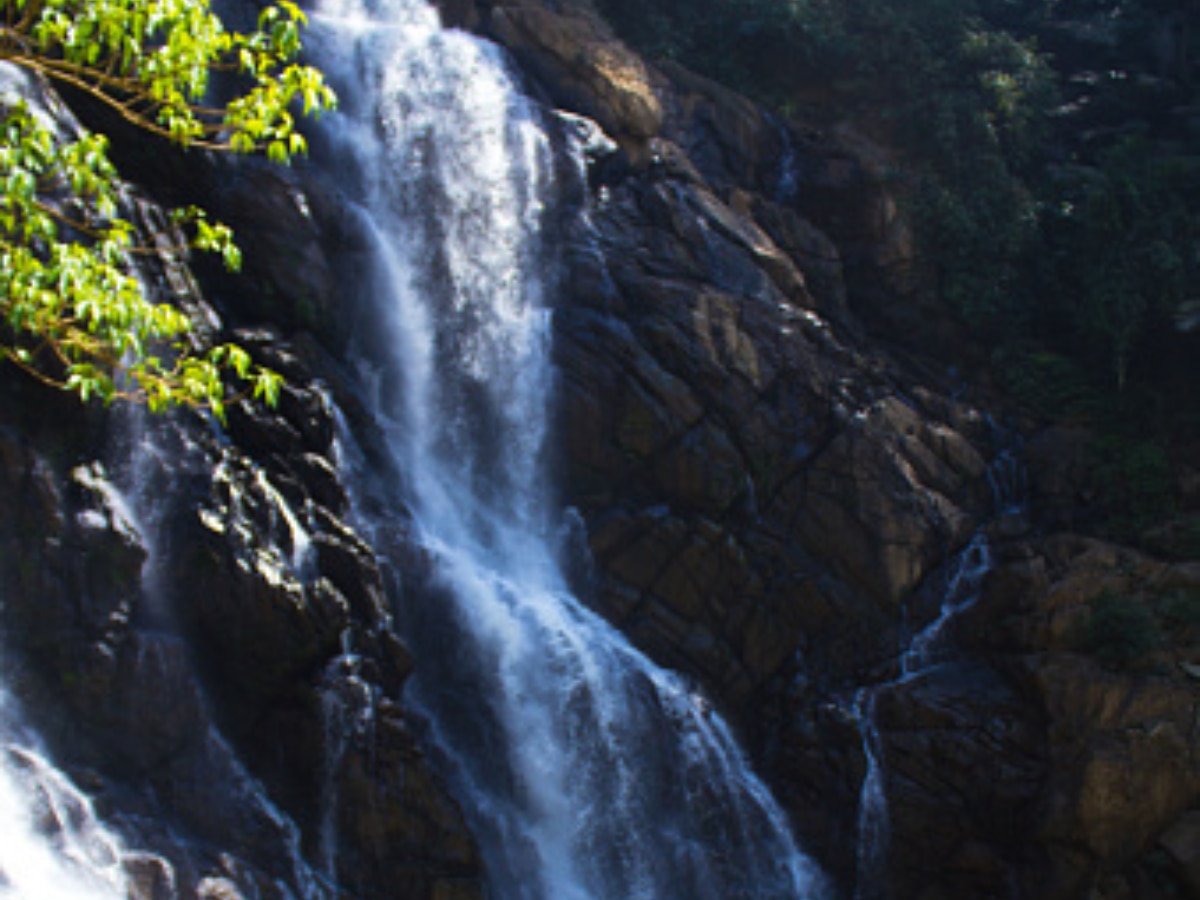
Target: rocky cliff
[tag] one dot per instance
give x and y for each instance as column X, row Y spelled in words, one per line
column 203, row 631
column 203, row 640
column 777, row 506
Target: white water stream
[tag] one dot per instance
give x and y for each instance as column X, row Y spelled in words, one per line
column 587, row 771
column 964, row 581
column 52, row 847
column 963, row 585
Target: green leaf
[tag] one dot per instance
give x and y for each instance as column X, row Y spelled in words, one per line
column 75, row 293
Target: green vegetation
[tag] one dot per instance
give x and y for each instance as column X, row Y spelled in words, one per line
column 1122, row 239
column 1139, row 490
column 1181, row 608
column 76, row 315
column 1121, row 630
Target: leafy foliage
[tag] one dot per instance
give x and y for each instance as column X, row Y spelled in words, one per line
column 1048, row 384
column 1137, row 486
column 1121, row 630
column 1181, row 607
column 77, row 315
column 1122, row 239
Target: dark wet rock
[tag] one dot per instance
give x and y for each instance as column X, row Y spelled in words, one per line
column 352, row 569
column 1181, row 841
column 284, row 223
column 965, row 761
column 260, row 430
column 698, row 383
column 399, row 831
column 169, row 613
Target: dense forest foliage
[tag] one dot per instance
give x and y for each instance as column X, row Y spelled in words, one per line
column 1053, row 149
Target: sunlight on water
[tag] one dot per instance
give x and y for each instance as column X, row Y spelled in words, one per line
column 52, row 847
column 587, row 771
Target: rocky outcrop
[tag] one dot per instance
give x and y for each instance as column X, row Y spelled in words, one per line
column 200, row 636
column 745, row 464
column 1105, row 638
column 201, row 631
column 773, row 505
column 588, row 70
column 1053, row 751
column 706, row 412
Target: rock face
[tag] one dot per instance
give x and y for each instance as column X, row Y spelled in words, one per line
column 749, row 470
column 202, row 631
column 1120, row 731
column 585, row 66
column 774, row 506
column 200, row 637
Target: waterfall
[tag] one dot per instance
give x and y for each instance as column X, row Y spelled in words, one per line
column 872, row 825
column 787, row 185
column 587, row 771
column 964, row 581
column 52, row 846
column 963, row 585
column 961, row 588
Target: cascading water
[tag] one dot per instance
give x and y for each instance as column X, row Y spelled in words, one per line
column 788, row 184
column 962, row 586
column 872, row 824
column 962, row 589
column 52, row 847
column 145, row 460
column 588, row 772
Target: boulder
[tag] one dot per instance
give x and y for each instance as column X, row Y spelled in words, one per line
column 730, row 139
column 582, row 65
column 149, row 877
column 878, row 499
column 1124, row 756
column 283, row 223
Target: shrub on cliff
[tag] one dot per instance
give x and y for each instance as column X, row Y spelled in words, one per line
column 75, row 312
column 1121, row 630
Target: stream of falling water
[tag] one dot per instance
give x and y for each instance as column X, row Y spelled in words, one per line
column 52, row 847
column 587, row 771
column 963, row 586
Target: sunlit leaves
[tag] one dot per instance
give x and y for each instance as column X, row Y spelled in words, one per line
column 153, row 61
column 71, row 298
column 77, row 315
